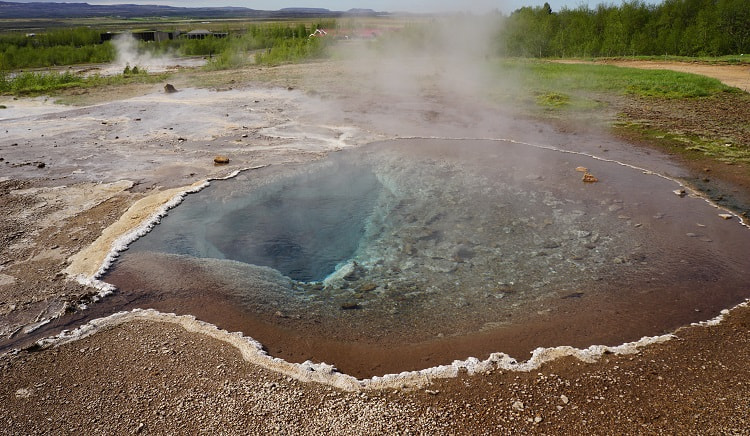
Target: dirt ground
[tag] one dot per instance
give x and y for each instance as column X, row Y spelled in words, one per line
column 71, row 172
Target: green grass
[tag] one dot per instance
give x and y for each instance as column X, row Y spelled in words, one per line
column 38, row 83
column 553, row 100
column 728, row 59
column 292, row 51
column 581, row 79
column 590, row 92
column 583, row 90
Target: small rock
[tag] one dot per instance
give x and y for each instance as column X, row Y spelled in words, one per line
column 517, row 405
column 367, row 287
column 573, row 295
column 463, row 253
column 564, row 399
column 538, row 419
column 350, row 305
column 589, row 178
column 169, row 88
column 23, row 393
column 726, row 216
column 582, row 169
column 221, row 160
column 680, row 192
column 356, row 271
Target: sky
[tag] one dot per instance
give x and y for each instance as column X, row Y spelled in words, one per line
column 476, row 6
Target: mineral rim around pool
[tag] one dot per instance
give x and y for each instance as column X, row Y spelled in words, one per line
column 408, row 254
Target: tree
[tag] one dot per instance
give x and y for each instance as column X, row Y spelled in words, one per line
column 734, row 16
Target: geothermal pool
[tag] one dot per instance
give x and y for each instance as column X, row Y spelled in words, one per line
column 407, row 254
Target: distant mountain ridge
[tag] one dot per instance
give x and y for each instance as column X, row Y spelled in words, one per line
column 85, row 10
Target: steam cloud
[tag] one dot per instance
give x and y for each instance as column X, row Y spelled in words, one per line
column 128, row 54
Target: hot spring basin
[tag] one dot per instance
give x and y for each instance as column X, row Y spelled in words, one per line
column 409, row 254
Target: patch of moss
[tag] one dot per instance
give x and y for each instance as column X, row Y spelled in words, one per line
column 721, row 149
column 553, row 100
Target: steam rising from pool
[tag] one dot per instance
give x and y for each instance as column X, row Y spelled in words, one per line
column 413, row 241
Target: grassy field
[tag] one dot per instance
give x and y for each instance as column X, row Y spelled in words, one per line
column 560, row 85
column 50, row 83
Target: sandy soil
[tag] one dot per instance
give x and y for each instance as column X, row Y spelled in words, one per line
column 70, row 173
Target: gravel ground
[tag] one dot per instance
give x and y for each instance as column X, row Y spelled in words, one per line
column 151, row 377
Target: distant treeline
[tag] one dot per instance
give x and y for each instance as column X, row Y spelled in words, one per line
column 673, row 27
column 58, row 47
column 280, row 42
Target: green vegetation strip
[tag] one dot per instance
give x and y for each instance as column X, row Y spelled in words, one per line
column 268, row 43
column 562, row 78
column 37, row 83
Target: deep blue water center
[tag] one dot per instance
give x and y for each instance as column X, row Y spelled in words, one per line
column 303, row 226
column 303, row 223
